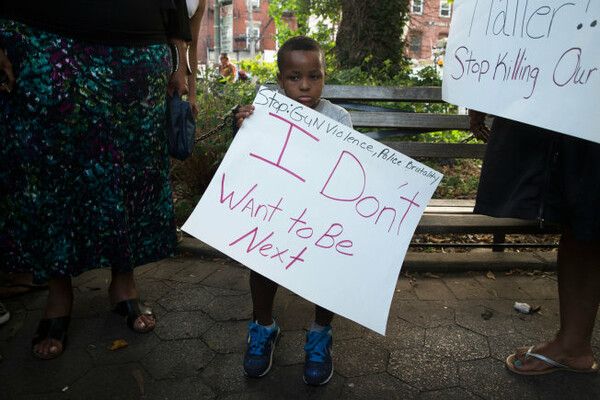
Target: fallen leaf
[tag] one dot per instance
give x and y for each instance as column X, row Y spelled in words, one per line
column 490, row 275
column 118, row 344
column 137, row 374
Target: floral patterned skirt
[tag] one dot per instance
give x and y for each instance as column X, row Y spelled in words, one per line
column 84, row 169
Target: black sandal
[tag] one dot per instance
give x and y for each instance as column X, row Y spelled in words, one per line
column 51, row 328
column 133, row 309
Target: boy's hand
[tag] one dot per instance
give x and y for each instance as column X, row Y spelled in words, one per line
column 243, row 113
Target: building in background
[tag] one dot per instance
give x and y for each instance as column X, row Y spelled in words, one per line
column 427, row 31
column 261, row 32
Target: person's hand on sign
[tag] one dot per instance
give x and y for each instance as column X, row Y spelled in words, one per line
column 478, row 126
column 242, row 113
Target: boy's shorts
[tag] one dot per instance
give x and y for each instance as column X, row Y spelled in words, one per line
column 533, row 173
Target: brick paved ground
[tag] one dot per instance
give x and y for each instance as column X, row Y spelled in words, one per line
column 448, row 335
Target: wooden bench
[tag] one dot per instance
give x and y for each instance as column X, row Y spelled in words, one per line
column 442, row 216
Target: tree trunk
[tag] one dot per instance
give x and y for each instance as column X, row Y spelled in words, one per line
column 371, row 28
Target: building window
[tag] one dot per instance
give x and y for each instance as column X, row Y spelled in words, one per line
column 255, row 35
column 417, row 7
column 415, row 44
column 445, row 9
column 255, row 3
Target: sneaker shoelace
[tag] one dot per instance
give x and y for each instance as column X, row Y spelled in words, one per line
column 316, row 346
column 257, row 339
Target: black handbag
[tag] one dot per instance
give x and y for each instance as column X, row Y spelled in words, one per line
column 181, row 127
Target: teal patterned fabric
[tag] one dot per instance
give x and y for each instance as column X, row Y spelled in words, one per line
column 84, row 169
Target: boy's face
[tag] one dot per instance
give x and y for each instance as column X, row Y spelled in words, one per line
column 303, row 76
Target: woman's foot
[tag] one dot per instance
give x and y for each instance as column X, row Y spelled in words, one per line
column 49, row 340
column 578, row 360
column 122, row 293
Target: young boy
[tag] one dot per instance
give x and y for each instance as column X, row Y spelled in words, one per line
column 301, row 64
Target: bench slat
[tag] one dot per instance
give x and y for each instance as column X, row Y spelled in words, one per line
column 438, row 150
column 425, row 94
column 409, row 121
column 475, row 223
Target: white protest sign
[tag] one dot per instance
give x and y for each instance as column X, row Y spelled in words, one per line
column 316, row 207
column 534, row 61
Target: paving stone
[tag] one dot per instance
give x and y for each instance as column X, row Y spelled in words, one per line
column 426, row 314
column 423, row 369
column 432, row 289
column 177, row 358
column 286, row 383
column 230, row 308
column 378, row 386
column 456, row 342
column 292, row 311
column 150, row 290
column 23, row 373
column 168, row 268
column 179, row 389
column 229, row 277
column 359, row 357
column 466, row 287
column 489, row 378
column 227, row 337
column 503, row 287
column 96, row 279
column 290, row 348
column 195, row 271
column 344, row 329
column 188, row 299
column 225, row 375
column 138, row 346
column 501, row 346
column 404, row 289
column 400, row 334
column 484, row 320
column 541, row 325
column 183, row 325
column 450, row 393
column 536, row 287
column 117, row 381
column 564, row 385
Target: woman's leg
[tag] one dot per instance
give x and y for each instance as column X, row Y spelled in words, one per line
column 59, row 304
column 579, row 296
column 122, row 287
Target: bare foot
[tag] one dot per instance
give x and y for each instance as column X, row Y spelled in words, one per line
column 122, row 287
column 581, row 359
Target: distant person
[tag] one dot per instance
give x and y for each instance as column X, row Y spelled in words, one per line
column 301, row 64
column 227, row 69
column 242, row 76
column 85, row 169
column 533, row 173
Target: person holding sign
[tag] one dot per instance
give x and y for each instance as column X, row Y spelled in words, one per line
column 301, row 63
column 533, row 173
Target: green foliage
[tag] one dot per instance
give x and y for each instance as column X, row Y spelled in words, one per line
column 322, row 31
column 260, row 70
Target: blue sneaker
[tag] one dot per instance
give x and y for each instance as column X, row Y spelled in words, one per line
column 259, row 354
column 318, row 364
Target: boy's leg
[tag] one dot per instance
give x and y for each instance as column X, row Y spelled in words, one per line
column 263, row 292
column 323, row 316
column 263, row 330
column 579, row 296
